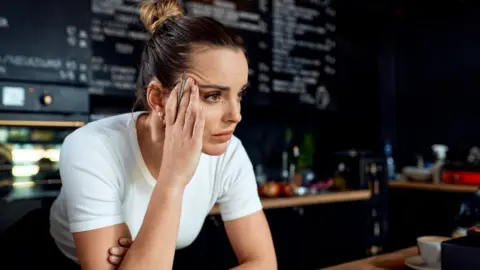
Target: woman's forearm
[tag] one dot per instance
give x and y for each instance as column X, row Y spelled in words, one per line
column 154, row 246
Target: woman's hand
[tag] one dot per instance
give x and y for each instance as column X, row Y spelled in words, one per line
column 183, row 136
column 116, row 254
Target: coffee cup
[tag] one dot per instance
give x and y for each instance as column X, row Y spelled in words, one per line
column 430, row 249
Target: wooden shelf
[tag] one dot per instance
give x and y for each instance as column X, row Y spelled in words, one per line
column 333, row 197
column 394, row 260
column 432, row 187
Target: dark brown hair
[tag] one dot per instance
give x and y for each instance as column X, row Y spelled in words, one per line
column 173, row 37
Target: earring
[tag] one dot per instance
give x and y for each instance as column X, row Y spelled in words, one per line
column 161, row 116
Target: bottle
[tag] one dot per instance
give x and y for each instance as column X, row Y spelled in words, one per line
column 440, row 151
column 285, row 166
column 390, row 161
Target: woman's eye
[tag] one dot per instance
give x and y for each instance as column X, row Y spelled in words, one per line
column 212, row 96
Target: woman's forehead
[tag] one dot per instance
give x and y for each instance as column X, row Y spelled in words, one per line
column 221, row 66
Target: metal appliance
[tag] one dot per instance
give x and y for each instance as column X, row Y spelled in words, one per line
column 34, row 121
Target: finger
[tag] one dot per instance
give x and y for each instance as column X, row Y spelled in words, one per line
column 199, row 125
column 125, row 242
column 171, row 107
column 182, row 108
column 115, row 260
column 118, row 251
column 192, row 111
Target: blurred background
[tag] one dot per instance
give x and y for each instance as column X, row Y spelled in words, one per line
column 359, row 120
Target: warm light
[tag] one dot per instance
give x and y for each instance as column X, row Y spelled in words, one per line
column 53, row 154
column 33, row 155
column 26, row 170
column 25, row 184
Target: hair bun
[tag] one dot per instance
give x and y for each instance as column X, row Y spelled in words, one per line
column 155, row 12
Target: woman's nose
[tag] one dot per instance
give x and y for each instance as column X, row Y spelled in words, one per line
column 232, row 112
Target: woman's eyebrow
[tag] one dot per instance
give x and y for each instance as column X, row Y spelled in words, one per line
column 215, row 86
column 219, row 87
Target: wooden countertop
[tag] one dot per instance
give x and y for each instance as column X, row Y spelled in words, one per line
column 433, row 187
column 388, row 261
column 342, row 196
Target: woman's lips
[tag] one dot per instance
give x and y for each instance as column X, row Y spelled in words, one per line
column 223, row 137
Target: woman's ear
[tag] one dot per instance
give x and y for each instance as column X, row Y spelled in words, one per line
column 155, row 97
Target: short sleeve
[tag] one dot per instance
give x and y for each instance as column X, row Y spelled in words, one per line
column 240, row 193
column 90, row 183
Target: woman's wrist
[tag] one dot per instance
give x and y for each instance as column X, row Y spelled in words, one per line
column 172, row 182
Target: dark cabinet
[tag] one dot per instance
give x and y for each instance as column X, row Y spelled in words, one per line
column 305, row 237
column 414, row 213
column 287, row 227
column 335, row 233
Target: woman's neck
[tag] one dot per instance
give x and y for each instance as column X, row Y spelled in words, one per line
column 151, row 143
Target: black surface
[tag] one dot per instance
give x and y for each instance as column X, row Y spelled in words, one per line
column 414, row 213
column 461, row 253
column 46, row 41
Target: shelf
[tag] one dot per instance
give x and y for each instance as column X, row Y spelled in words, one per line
column 394, row 260
column 401, row 184
column 333, row 197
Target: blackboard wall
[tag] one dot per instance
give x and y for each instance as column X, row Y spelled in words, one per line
column 437, row 67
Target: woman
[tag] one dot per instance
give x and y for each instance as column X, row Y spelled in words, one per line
column 154, row 177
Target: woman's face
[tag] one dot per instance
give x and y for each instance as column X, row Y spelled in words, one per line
column 222, row 77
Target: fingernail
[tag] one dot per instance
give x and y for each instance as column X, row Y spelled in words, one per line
column 114, row 259
column 114, row 250
column 123, row 241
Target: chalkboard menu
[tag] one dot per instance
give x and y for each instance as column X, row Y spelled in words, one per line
column 289, row 44
column 117, row 42
column 290, row 47
column 45, row 41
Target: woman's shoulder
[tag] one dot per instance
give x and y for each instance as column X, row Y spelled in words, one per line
column 109, row 125
column 105, row 137
column 109, row 129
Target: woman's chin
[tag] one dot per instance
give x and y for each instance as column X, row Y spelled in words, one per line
column 214, row 149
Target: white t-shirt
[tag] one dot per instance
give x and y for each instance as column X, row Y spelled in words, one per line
column 106, row 182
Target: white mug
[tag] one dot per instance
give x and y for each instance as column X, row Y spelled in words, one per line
column 430, row 249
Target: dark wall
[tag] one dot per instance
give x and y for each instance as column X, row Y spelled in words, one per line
column 438, row 62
